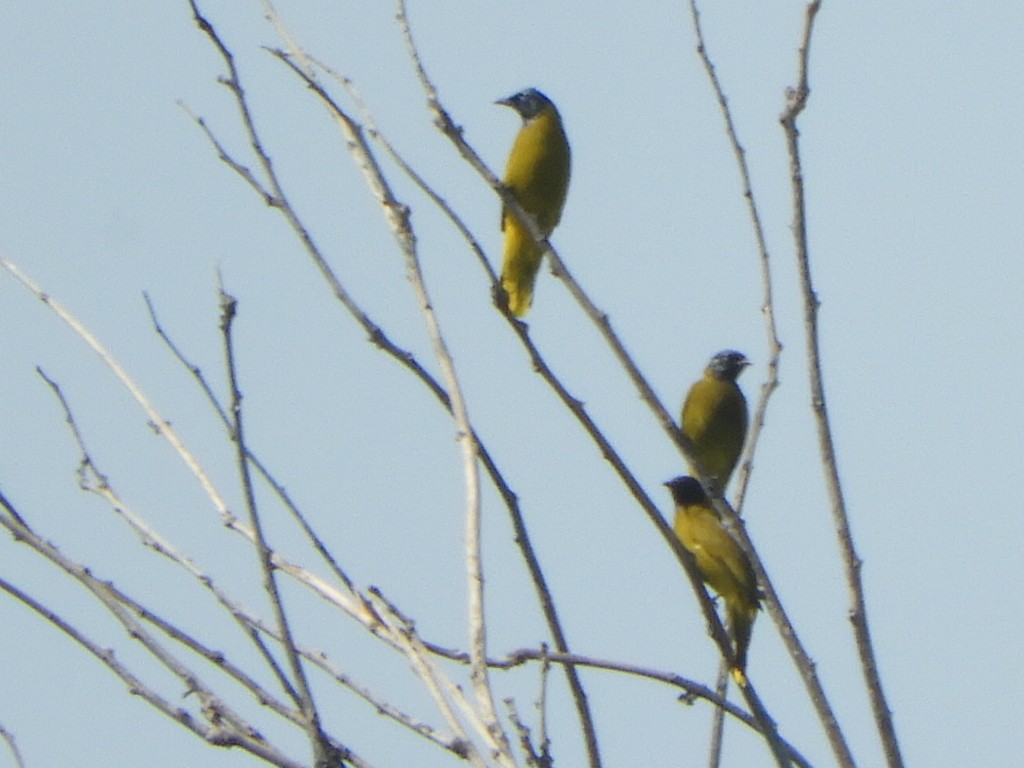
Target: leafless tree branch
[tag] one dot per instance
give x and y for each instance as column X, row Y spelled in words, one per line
column 796, row 101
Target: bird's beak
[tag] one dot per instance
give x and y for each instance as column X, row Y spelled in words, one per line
column 506, row 102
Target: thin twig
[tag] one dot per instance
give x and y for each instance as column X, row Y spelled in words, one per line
column 447, row 695
column 9, row 509
column 323, row 752
column 474, row 563
column 526, row 745
column 92, row 480
column 8, row 738
column 159, row 425
column 796, row 102
column 691, row 690
column 226, row 727
column 546, row 759
column 718, row 718
column 163, row 428
column 279, row 490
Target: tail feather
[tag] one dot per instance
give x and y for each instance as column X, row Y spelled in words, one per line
column 741, row 625
column 520, row 266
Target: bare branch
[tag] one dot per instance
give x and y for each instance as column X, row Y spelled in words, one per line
column 796, row 101
column 323, row 751
column 447, row 696
column 8, row 738
column 224, row 727
column 691, row 690
column 92, row 480
column 156, row 421
column 279, row 489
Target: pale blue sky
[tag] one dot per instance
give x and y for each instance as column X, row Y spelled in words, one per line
column 915, row 178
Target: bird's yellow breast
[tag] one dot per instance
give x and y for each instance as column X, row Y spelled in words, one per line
column 720, row 559
column 538, row 169
column 715, row 419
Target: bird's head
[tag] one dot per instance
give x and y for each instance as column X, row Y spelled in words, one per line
column 686, row 491
column 528, row 103
column 728, row 364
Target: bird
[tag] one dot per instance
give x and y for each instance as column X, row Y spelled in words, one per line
column 537, row 175
column 723, row 565
column 714, row 416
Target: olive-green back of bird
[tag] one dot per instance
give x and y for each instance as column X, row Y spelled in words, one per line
column 714, row 416
column 537, row 174
column 722, row 562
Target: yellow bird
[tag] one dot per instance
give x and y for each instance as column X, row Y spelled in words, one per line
column 537, row 174
column 722, row 563
column 714, row 416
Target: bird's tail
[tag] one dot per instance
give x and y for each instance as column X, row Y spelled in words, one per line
column 741, row 625
column 519, row 267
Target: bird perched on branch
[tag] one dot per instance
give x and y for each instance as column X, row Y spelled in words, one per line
column 537, row 174
column 714, row 416
column 723, row 564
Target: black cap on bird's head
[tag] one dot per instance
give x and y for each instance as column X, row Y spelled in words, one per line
column 686, row 490
column 528, row 103
column 728, row 364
